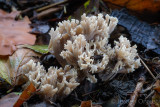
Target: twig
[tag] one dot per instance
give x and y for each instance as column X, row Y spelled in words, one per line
column 147, row 89
column 89, row 93
column 46, row 13
column 51, row 5
column 150, row 94
column 31, row 8
column 134, row 96
column 147, row 68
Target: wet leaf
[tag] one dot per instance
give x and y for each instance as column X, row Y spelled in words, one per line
column 37, row 48
column 9, row 100
column 14, row 32
column 26, row 94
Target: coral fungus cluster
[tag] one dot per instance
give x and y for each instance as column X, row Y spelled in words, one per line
column 54, row 84
column 84, row 45
column 82, row 48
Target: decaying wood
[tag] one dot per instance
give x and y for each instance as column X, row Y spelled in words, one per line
column 141, row 32
column 138, row 88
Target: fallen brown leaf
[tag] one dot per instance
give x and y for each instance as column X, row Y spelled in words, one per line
column 26, row 94
column 147, row 10
column 137, row 5
column 14, row 32
column 9, row 100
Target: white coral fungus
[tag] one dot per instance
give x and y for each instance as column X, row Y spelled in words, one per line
column 84, row 45
column 54, row 84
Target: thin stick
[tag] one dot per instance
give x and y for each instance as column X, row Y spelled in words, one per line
column 89, row 93
column 134, row 96
column 150, row 94
column 46, row 13
column 32, row 8
column 51, row 5
column 148, row 69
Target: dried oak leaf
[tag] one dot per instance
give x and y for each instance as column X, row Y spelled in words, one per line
column 14, row 32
